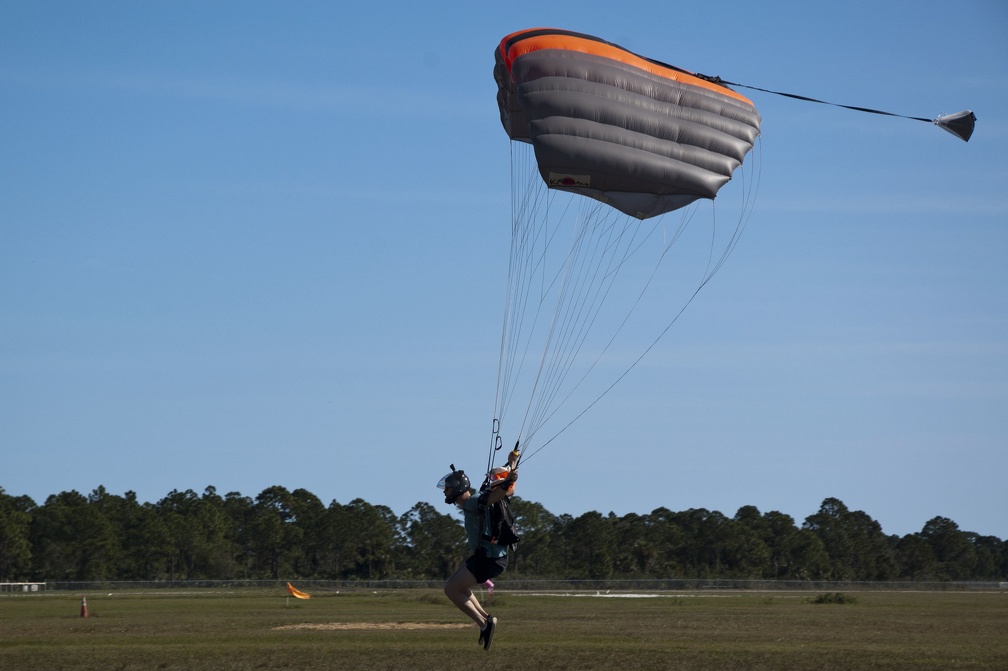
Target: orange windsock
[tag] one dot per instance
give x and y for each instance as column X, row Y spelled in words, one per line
column 297, row 594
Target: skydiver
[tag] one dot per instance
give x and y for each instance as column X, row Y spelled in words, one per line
column 488, row 560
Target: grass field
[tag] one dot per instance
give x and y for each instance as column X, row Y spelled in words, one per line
column 419, row 630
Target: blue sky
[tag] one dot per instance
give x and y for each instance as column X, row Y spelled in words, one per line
column 256, row 244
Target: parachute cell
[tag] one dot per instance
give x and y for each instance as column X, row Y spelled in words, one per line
column 641, row 136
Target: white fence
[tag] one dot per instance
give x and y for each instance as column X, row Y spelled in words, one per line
column 27, row 587
column 516, row 583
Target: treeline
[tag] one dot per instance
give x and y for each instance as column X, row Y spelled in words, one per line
column 293, row 534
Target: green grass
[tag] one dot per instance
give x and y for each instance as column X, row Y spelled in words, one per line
column 244, row 630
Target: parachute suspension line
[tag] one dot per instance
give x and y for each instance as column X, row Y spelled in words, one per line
column 574, row 295
column 666, row 246
column 748, row 197
column 531, row 240
column 531, row 261
column 550, row 335
column 618, row 379
column 512, row 301
column 623, row 241
column 508, row 292
column 602, row 245
column 525, row 204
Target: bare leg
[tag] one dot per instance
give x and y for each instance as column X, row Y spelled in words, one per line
column 458, row 589
column 479, row 607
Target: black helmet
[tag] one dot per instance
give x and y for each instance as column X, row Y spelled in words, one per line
column 454, row 485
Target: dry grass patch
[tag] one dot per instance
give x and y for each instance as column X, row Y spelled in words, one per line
column 366, row 626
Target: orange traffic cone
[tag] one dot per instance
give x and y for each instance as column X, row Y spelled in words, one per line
column 83, row 606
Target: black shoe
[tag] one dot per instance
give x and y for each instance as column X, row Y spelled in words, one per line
column 483, row 630
column 487, row 633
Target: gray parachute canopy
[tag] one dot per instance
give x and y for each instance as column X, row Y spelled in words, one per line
column 644, row 137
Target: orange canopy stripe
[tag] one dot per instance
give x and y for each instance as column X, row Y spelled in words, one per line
column 526, row 41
